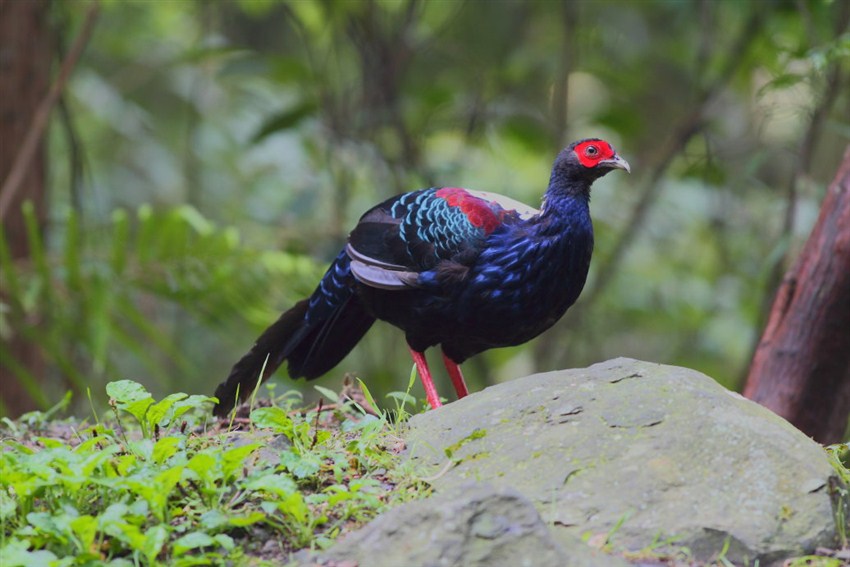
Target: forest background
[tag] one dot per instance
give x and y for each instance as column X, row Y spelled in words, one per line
column 206, row 159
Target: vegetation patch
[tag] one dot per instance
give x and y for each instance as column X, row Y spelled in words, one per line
column 160, row 482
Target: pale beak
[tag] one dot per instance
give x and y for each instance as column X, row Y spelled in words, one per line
column 616, row 162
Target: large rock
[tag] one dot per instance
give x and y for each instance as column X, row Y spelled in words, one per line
column 640, row 453
column 472, row 526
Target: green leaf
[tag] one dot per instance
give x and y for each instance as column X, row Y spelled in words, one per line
column 367, row 394
column 165, row 448
column 16, row 554
column 280, row 485
column 226, row 541
column 204, row 465
column 300, row 465
column 157, row 490
column 192, row 540
column 328, row 394
column 127, row 391
column 128, row 533
column 132, row 398
column 154, row 540
column 246, row 520
column 45, row 523
column 157, row 412
column 85, row 528
column 139, row 409
column 192, row 402
column 8, row 506
column 293, row 505
column 214, row 519
column 234, row 460
column 275, row 419
column 113, row 514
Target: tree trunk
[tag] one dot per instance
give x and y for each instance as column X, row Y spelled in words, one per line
column 801, row 368
column 25, row 57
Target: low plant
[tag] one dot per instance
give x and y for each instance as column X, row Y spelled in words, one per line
column 159, row 483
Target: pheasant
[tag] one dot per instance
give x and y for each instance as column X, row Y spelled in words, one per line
column 462, row 269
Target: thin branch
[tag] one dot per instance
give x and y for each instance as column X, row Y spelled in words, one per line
column 76, row 159
column 39, row 123
column 76, row 156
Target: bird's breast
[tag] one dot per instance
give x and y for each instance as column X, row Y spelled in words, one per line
column 529, row 278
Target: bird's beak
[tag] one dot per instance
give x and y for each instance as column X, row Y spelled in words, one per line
column 616, row 162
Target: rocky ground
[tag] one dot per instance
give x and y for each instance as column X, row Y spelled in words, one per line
column 622, row 462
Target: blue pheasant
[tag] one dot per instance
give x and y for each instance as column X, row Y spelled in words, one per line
column 462, row 269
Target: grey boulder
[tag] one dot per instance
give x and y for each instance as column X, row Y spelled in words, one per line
column 641, row 456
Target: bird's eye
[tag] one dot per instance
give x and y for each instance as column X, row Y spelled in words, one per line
column 591, row 151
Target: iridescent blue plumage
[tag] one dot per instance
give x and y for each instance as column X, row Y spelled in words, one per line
column 431, row 219
column 465, row 270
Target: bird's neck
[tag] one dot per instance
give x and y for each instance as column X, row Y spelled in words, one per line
column 566, row 201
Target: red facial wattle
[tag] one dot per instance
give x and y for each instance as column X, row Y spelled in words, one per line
column 591, row 152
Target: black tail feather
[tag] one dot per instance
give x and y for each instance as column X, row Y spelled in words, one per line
column 269, row 350
column 311, row 349
column 330, row 342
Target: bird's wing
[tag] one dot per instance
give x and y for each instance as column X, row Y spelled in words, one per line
column 412, row 233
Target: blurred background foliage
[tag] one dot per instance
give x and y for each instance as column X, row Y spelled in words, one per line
column 210, row 157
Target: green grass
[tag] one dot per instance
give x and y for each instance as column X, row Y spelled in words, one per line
column 161, row 483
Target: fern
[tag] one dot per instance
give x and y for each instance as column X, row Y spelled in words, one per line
column 107, row 303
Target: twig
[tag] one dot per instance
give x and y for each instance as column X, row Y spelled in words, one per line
column 76, row 157
column 316, row 427
column 446, row 468
column 39, row 122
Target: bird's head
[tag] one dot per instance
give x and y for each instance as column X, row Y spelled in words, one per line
column 587, row 160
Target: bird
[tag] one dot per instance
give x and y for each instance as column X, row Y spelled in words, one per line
column 461, row 269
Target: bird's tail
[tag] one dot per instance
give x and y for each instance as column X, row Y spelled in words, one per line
column 312, row 337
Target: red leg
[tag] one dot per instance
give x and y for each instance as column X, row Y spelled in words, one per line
column 457, row 377
column 425, row 375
